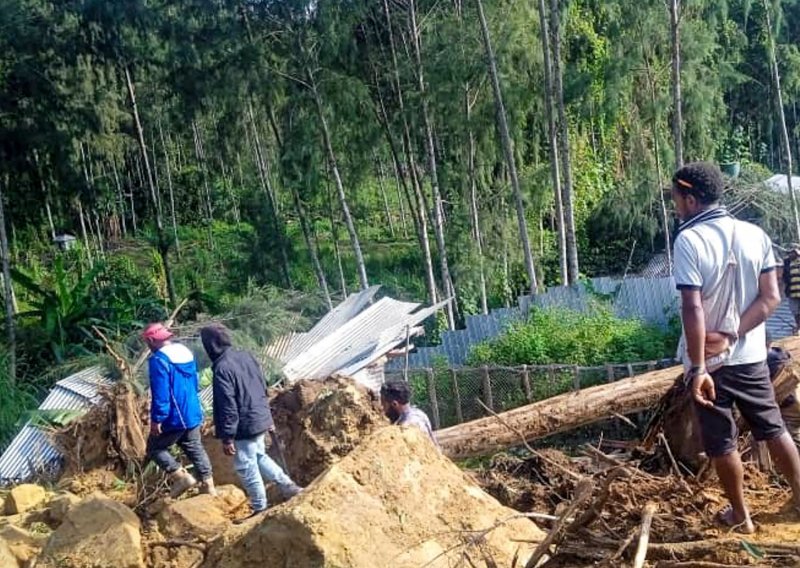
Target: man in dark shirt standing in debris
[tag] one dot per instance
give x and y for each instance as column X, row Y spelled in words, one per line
column 242, row 416
column 396, row 402
column 725, row 271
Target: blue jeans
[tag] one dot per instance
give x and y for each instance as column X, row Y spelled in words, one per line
column 253, row 465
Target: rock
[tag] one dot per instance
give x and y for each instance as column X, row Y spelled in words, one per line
column 24, row 498
column 231, row 497
column 202, row 516
column 96, row 533
column 60, row 505
column 22, row 544
column 7, row 558
column 394, row 499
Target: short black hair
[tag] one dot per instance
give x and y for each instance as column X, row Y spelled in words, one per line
column 703, row 180
column 396, row 390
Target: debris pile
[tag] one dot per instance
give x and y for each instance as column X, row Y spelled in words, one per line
column 606, row 529
column 319, row 422
column 394, row 501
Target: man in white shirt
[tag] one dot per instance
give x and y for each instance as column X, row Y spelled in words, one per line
column 725, row 271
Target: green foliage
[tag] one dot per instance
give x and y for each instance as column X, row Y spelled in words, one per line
column 567, row 337
column 17, row 399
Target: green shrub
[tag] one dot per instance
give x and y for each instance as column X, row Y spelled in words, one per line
column 569, row 337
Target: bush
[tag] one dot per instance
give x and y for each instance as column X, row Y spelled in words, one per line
column 569, row 337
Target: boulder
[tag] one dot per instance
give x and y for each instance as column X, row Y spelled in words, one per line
column 96, row 533
column 202, row 516
column 7, row 558
column 24, row 498
column 22, row 544
column 60, row 505
column 395, row 500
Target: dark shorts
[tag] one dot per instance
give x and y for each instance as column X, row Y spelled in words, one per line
column 749, row 387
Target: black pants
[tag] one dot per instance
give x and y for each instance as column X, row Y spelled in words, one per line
column 749, row 387
column 189, row 442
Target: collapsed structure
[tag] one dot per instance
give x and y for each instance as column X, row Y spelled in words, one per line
column 352, row 340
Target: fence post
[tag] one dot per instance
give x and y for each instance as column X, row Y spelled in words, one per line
column 526, row 384
column 487, row 389
column 434, row 400
column 576, row 380
column 457, row 393
column 630, row 370
column 610, row 373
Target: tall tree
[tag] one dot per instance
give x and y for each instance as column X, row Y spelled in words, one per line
column 564, row 149
column 677, row 102
column 508, row 150
column 163, row 243
column 787, row 147
column 8, row 294
column 553, row 143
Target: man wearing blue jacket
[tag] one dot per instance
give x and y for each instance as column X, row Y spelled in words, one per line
column 175, row 412
column 242, row 416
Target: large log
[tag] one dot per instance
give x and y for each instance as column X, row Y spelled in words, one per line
column 566, row 412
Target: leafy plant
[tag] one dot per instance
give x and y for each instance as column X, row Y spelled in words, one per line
column 569, row 337
column 64, row 308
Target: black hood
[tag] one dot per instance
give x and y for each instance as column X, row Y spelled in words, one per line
column 216, row 340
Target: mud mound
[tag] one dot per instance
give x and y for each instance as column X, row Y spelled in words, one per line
column 319, row 422
column 110, row 435
column 394, row 501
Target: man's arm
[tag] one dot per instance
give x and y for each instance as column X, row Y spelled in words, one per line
column 694, row 325
column 226, row 413
column 765, row 303
column 159, row 390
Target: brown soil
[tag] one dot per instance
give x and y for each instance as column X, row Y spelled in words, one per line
column 319, row 422
column 394, row 501
column 109, row 436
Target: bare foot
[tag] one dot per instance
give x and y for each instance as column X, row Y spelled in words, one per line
column 740, row 524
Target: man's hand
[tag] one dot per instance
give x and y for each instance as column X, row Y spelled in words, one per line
column 155, row 429
column 228, row 448
column 703, row 389
column 716, row 343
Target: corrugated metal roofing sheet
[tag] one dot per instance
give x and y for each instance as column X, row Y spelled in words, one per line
column 31, row 452
column 333, row 320
column 353, row 337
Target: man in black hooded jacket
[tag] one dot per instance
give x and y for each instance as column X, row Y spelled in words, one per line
column 242, row 416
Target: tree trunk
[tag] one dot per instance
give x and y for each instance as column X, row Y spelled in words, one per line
column 85, row 234
column 385, row 197
column 787, row 149
column 163, row 243
column 266, row 186
column 566, row 161
column 555, row 415
column 420, row 218
column 337, row 178
column 553, row 141
column 473, row 202
column 201, row 160
column 168, row 168
column 335, row 237
column 575, row 409
column 120, row 196
column 659, row 173
column 508, row 150
column 8, row 295
column 438, row 216
column 677, row 103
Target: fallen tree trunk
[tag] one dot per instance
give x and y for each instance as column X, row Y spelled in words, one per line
column 568, row 411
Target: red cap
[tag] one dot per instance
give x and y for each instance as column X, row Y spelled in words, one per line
column 156, row 332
